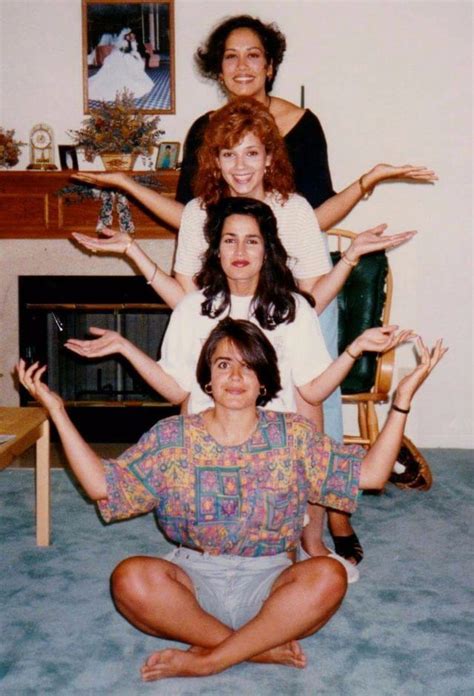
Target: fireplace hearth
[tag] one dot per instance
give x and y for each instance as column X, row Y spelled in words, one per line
column 106, row 398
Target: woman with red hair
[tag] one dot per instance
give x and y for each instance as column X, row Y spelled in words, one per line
column 243, row 154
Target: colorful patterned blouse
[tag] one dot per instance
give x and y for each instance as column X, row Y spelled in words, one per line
column 248, row 499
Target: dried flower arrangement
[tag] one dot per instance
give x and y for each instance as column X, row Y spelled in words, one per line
column 117, row 127
column 10, row 149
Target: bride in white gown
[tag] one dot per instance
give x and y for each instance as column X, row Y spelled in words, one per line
column 123, row 68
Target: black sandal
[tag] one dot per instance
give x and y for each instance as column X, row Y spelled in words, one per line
column 349, row 547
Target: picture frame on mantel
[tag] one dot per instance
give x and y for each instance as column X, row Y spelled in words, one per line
column 167, row 157
column 129, row 44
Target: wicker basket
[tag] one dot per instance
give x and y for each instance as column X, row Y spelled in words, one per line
column 118, row 161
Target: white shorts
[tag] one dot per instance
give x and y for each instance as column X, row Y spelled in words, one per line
column 230, row 588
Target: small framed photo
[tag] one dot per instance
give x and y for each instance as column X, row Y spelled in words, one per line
column 167, row 157
column 68, row 157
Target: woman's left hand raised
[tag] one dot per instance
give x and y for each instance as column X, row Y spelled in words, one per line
column 372, row 240
column 428, row 359
column 405, row 172
column 380, row 339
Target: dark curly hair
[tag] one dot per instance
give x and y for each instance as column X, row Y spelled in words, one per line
column 209, row 55
column 273, row 302
column 255, row 349
column 227, row 127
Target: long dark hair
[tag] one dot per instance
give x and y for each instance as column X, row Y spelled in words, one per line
column 209, row 56
column 256, row 350
column 273, row 302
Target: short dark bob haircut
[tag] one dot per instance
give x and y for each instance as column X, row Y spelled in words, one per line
column 209, row 56
column 255, row 349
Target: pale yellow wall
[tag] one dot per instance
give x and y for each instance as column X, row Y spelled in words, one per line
column 390, row 81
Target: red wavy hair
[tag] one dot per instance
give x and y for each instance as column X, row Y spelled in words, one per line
column 227, row 127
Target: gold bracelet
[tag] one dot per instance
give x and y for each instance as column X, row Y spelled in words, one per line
column 129, row 244
column 149, row 282
column 366, row 193
column 354, row 357
column 350, row 263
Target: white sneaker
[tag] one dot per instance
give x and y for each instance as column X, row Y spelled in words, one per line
column 351, row 570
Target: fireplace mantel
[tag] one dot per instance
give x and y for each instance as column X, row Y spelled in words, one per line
column 30, row 207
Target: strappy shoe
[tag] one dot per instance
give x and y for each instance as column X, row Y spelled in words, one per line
column 349, row 547
column 416, row 472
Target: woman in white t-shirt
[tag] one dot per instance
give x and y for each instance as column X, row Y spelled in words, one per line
column 244, row 132
column 245, row 276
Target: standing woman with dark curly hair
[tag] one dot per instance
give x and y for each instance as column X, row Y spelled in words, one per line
column 243, row 55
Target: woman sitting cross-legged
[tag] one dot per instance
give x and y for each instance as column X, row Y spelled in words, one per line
column 230, row 485
column 245, row 276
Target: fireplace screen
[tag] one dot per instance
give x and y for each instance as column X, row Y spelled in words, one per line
column 55, row 308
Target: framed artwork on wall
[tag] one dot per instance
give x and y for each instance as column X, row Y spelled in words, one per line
column 129, row 44
column 167, row 157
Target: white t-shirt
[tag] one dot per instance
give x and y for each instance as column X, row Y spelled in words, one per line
column 298, row 230
column 300, row 348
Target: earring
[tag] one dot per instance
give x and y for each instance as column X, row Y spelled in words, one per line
column 208, row 388
column 263, row 390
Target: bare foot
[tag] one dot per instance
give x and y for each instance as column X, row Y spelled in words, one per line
column 174, row 663
column 290, row 654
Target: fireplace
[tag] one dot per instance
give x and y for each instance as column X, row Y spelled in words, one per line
column 106, row 398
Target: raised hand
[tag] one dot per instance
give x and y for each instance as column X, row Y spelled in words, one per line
column 405, row 172
column 117, row 180
column 380, row 339
column 428, row 359
column 114, row 243
column 108, row 343
column 372, row 240
column 30, row 378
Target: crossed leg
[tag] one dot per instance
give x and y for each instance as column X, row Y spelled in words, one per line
column 158, row 598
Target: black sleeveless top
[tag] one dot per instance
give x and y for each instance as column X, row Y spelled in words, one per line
column 307, row 150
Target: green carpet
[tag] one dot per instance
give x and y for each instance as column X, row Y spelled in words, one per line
column 405, row 629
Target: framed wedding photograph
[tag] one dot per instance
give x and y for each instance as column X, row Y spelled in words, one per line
column 129, row 44
column 167, row 157
column 68, row 157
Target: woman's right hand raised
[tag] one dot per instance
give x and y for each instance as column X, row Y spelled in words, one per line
column 108, row 343
column 30, row 378
column 114, row 242
column 117, row 180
